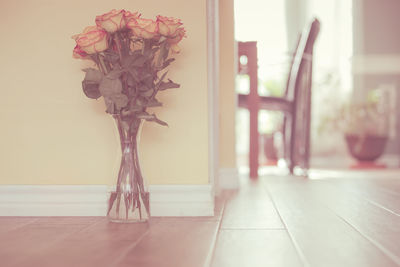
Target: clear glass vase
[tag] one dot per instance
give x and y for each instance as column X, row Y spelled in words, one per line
column 129, row 197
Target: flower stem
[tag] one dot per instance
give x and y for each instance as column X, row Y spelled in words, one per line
column 103, row 65
column 118, row 44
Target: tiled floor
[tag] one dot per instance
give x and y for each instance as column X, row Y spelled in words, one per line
column 275, row 221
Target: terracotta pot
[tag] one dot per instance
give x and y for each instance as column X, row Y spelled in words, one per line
column 366, row 148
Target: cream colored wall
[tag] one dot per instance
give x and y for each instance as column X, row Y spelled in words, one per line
column 52, row 134
column 227, row 96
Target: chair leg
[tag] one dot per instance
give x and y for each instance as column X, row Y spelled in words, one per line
column 289, row 143
column 293, row 144
column 285, row 138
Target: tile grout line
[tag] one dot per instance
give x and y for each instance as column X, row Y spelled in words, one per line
column 382, row 207
column 18, row 227
column 385, row 251
column 300, row 253
column 58, row 240
column 252, row 229
column 354, row 193
column 211, row 252
column 132, row 246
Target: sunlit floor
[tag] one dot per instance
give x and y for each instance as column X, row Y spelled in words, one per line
column 273, row 221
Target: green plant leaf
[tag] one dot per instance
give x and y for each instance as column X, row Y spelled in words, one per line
column 120, row 100
column 109, row 105
column 128, row 61
column 147, row 93
column 90, row 83
column 151, row 117
column 167, row 62
column 93, row 75
column 134, row 74
column 91, row 89
column 140, row 102
column 109, row 87
column 111, row 56
column 131, row 111
column 142, row 88
column 130, row 81
column 168, row 85
column 163, row 123
column 139, row 61
column 114, row 74
column 164, row 50
column 162, row 78
column 153, row 103
column 144, row 115
column 157, row 120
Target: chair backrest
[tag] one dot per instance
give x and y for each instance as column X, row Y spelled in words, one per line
column 299, row 92
column 302, row 61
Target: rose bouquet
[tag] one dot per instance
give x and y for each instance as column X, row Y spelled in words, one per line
column 130, row 55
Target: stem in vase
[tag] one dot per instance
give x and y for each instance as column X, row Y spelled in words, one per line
column 139, row 176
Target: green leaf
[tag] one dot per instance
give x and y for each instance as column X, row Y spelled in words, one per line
column 139, row 61
column 109, row 105
column 148, row 80
column 151, row 52
column 140, row 102
column 120, row 100
column 93, row 75
column 162, row 78
column 131, row 111
column 111, row 56
column 114, row 74
column 167, row 62
column 151, row 117
column 147, row 93
column 168, row 85
column 130, row 80
column 144, row 115
column 164, row 50
column 157, row 120
column 134, row 74
column 90, row 83
column 142, row 88
column 109, row 87
column 128, row 61
column 91, row 89
column 153, row 103
column 163, row 123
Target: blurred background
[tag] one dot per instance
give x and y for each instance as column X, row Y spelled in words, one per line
column 356, row 78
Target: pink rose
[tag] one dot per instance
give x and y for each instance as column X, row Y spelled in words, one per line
column 179, row 34
column 144, row 28
column 168, row 26
column 92, row 40
column 111, row 21
column 175, row 49
column 79, row 53
column 128, row 16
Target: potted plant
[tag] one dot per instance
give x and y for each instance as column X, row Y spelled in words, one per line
column 365, row 125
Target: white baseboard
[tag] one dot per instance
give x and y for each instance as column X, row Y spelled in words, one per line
column 181, row 200
column 91, row 200
column 228, row 178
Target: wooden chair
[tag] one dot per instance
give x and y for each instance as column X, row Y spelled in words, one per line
column 296, row 103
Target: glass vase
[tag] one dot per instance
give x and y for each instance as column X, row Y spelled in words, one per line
column 128, row 197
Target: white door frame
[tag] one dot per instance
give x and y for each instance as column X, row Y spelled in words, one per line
column 213, row 90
